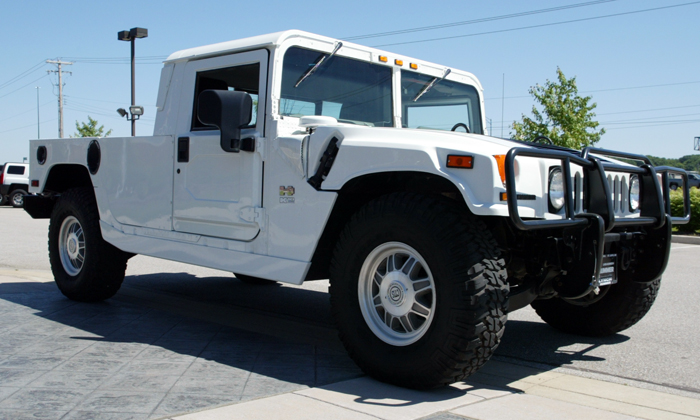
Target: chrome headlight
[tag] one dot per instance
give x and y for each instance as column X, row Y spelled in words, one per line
column 556, row 190
column 634, row 193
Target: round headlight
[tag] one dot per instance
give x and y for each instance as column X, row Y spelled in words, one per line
column 634, row 193
column 556, row 189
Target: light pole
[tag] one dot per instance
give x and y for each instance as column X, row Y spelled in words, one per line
column 38, row 124
column 131, row 35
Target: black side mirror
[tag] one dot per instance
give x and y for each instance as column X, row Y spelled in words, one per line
column 229, row 111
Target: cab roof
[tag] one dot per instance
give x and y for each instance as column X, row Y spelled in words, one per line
column 276, row 39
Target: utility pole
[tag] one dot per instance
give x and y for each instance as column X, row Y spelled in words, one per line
column 60, row 72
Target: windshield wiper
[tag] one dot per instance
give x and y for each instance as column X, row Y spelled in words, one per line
column 311, row 71
column 431, row 84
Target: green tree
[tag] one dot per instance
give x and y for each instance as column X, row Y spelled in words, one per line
column 566, row 118
column 687, row 162
column 90, row 129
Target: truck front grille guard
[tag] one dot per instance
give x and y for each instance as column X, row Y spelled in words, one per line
column 594, row 187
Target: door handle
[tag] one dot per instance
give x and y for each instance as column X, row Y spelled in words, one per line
column 183, row 149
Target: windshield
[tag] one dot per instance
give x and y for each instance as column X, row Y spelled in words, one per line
column 447, row 105
column 351, row 91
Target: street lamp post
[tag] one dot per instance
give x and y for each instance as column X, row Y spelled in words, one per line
column 131, row 35
column 38, row 124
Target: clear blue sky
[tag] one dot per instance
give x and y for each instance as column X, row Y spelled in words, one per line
column 642, row 69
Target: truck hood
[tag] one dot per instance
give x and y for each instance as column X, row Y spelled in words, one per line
column 401, row 138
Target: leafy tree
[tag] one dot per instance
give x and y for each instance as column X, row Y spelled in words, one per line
column 90, row 129
column 566, row 118
column 687, row 162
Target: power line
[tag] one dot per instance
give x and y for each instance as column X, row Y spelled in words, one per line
column 649, row 110
column 147, row 57
column 540, row 25
column 23, row 74
column 660, row 124
column 22, row 87
column 24, row 112
column 481, row 20
column 99, row 100
column 611, row 89
column 26, row 126
column 154, row 59
column 636, row 120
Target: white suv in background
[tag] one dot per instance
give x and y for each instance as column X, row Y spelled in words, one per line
column 14, row 183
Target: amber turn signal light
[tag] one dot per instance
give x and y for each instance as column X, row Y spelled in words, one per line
column 501, row 162
column 457, row 161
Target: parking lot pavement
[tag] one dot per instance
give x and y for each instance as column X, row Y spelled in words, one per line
column 121, row 359
column 179, row 339
column 128, row 359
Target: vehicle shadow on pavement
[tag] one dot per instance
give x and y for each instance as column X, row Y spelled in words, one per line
column 537, row 342
column 174, row 343
column 124, row 356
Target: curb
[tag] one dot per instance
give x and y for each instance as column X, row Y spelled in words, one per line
column 496, row 392
column 685, row 239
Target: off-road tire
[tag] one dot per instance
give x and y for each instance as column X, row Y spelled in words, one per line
column 623, row 305
column 16, row 198
column 257, row 281
column 470, row 289
column 102, row 266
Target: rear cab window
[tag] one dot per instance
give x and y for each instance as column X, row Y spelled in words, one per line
column 15, row 170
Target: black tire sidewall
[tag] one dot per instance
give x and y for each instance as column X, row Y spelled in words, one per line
column 373, row 238
column 623, row 305
column 104, row 266
column 403, row 364
column 66, row 208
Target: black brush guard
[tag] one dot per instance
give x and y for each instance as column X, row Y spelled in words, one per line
column 599, row 219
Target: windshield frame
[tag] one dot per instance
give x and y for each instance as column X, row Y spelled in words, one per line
column 395, row 62
column 431, row 99
column 355, row 94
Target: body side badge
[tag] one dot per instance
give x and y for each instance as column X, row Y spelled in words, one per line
column 286, row 194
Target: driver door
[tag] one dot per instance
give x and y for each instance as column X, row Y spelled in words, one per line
column 218, row 193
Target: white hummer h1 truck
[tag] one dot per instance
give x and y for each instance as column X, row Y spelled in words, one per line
column 291, row 157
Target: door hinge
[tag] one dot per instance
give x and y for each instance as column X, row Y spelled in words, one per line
column 254, row 215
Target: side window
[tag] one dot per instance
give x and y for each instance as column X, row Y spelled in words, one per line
column 241, row 78
column 15, row 170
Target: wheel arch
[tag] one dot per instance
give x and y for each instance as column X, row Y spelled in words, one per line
column 63, row 177
column 59, row 179
column 17, row 186
column 358, row 191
